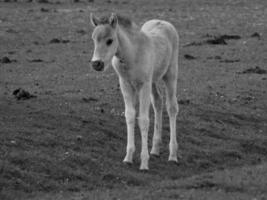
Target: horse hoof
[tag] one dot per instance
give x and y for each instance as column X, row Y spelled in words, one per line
column 145, row 170
column 128, row 163
column 173, row 161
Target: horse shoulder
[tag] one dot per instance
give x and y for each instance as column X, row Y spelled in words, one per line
column 121, row 68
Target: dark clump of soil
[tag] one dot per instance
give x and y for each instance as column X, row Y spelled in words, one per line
column 10, row 30
column 256, row 70
column 5, row 59
column 216, row 41
column 36, row 60
column 22, row 94
column 42, row 1
column 189, row 57
column 256, row 35
column 77, row 1
column 225, row 36
column 44, row 10
column 213, row 41
column 83, row 32
column 230, row 61
column 184, row 101
column 215, row 57
column 56, row 40
column 230, row 37
column 90, row 99
column 65, row 41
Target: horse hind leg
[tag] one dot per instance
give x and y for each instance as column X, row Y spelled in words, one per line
column 157, row 102
column 170, row 79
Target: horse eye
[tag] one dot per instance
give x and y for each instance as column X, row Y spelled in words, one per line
column 109, row 42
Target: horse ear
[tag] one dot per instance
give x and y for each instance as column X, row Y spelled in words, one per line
column 94, row 20
column 113, row 20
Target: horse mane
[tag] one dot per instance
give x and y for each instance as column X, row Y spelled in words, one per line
column 122, row 20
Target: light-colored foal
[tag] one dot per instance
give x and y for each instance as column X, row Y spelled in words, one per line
column 141, row 58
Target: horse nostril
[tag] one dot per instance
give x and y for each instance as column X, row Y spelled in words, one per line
column 98, row 65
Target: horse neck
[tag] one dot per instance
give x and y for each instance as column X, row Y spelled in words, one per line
column 128, row 44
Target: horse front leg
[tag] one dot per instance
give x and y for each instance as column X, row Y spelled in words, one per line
column 143, row 120
column 129, row 96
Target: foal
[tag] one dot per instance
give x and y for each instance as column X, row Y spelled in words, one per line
column 141, row 58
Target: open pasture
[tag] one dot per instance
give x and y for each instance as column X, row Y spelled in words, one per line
column 63, row 134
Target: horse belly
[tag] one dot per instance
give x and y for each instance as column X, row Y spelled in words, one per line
column 162, row 53
column 161, row 63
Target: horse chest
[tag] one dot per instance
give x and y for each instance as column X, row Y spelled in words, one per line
column 129, row 75
column 122, row 69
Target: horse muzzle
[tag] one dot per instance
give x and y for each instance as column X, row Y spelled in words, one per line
column 98, row 65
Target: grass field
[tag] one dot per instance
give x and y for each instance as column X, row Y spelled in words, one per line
column 67, row 141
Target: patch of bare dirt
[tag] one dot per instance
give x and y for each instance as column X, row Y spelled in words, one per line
column 21, row 94
column 255, row 70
